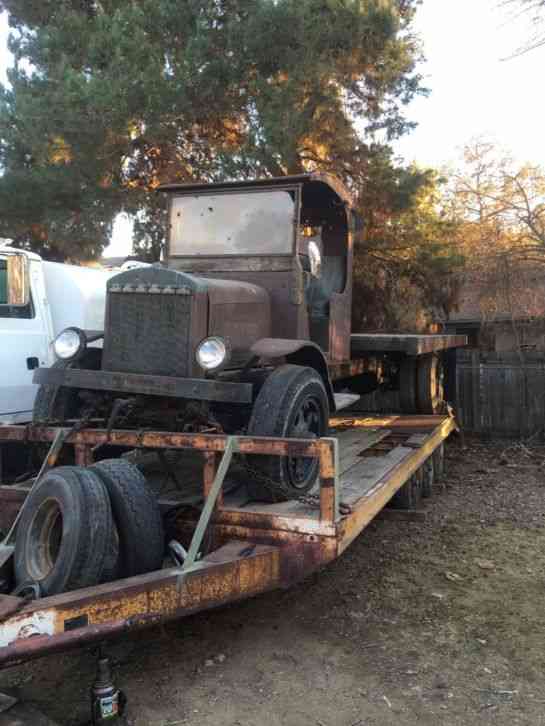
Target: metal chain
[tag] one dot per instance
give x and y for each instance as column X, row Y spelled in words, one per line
column 310, row 500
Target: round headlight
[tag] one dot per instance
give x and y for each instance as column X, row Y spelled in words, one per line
column 69, row 343
column 211, row 353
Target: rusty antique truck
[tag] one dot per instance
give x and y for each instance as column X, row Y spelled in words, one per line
column 246, row 328
column 212, row 448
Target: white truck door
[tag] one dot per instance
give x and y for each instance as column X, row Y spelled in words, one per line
column 24, row 345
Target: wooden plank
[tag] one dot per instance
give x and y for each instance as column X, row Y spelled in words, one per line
column 363, row 476
column 416, row 440
column 351, row 450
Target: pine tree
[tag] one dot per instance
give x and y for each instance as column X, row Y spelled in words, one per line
column 109, row 98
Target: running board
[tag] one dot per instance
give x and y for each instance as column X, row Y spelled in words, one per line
column 344, row 400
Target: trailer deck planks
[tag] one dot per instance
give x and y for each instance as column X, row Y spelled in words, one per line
column 251, row 547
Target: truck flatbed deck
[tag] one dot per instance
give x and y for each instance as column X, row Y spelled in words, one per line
column 251, row 547
column 361, row 343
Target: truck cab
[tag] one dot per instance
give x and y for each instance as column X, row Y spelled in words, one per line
column 291, row 236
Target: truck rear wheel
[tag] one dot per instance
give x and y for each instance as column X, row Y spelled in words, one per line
column 407, row 385
column 292, row 403
column 430, row 388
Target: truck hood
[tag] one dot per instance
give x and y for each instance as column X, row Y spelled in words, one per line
column 157, row 278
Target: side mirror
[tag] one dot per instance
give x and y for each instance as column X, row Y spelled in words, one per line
column 315, row 259
column 17, row 282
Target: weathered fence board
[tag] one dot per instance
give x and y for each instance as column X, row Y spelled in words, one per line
column 501, row 394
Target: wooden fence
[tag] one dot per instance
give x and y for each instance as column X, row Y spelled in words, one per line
column 498, row 394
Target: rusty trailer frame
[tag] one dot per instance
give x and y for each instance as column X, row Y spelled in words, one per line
column 253, row 547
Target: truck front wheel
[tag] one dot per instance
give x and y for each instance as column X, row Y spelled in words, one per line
column 292, row 403
column 59, row 403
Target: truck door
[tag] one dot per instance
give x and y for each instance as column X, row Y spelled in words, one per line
column 23, row 344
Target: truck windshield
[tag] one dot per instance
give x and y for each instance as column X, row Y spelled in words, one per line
column 248, row 223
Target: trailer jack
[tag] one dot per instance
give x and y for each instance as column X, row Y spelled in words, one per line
column 108, row 703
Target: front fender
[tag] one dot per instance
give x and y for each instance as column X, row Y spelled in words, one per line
column 298, row 352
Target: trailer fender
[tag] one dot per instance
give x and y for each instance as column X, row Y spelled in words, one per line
column 298, row 352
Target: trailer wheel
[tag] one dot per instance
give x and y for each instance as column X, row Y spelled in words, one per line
column 409, row 495
column 292, row 403
column 428, row 477
column 63, row 532
column 430, row 387
column 439, row 461
column 407, row 385
column 137, row 517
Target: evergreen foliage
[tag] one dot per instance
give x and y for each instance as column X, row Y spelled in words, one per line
column 109, row 98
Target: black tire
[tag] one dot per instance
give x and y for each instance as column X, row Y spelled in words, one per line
column 409, row 495
column 63, row 533
column 407, row 385
column 430, row 386
column 292, row 403
column 137, row 517
column 59, row 403
column 428, row 477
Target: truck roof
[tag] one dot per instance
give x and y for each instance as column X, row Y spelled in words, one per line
column 300, row 179
column 16, row 250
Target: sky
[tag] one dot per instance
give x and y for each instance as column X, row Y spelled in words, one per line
column 473, row 90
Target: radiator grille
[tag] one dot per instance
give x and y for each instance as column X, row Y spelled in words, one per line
column 147, row 333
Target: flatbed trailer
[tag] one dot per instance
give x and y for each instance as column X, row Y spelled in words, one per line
column 251, row 547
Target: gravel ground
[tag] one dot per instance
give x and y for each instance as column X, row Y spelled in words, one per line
column 439, row 621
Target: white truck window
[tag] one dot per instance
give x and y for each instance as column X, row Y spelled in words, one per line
column 11, row 311
column 3, row 282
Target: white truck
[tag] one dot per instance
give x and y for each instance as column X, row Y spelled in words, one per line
column 38, row 300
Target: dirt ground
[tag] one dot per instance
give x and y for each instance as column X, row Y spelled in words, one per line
column 440, row 621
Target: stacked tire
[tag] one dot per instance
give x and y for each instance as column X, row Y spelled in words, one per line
column 85, row 526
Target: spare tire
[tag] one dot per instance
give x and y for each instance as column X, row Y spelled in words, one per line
column 64, row 531
column 137, row 517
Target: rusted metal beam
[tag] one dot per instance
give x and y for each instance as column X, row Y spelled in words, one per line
column 79, row 617
column 329, row 481
column 193, row 388
column 209, row 474
column 168, row 440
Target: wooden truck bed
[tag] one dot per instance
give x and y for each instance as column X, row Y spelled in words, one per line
column 250, row 547
column 361, row 343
